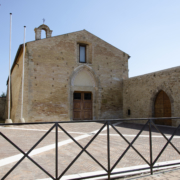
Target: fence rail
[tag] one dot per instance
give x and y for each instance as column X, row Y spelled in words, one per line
column 149, row 122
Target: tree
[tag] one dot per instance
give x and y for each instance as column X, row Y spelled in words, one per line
column 3, row 94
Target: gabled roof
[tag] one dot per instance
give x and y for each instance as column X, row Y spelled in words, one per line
column 84, row 30
column 21, row 46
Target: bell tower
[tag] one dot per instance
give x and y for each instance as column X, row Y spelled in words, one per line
column 38, row 31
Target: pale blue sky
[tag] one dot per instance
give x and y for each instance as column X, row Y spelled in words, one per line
column 148, row 30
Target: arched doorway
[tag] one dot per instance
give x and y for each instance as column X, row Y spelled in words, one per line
column 83, row 94
column 162, row 108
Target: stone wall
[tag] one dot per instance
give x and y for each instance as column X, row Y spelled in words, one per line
column 16, row 88
column 139, row 93
column 51, row 64
column 2, row 107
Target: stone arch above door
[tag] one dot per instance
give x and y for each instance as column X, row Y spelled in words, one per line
column 84, row 76
column 167, row 90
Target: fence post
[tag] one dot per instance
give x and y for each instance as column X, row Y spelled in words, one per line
column 150, row 145
column 108, row 150
column 56, row 157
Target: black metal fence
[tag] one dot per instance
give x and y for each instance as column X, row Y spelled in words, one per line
column 105, row 123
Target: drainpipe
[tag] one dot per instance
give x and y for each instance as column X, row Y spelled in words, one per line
column 22, row 119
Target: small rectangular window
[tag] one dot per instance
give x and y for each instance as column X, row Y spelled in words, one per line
column 82, row 53
column 87, row 96
column 77, row 95
column 129, row 112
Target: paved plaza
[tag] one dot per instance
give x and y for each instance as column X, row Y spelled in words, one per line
column 25, row 136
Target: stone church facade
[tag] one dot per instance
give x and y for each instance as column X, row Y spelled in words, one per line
column 60, row 86
column 78, row 76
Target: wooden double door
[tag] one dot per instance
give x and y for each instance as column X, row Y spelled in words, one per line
column 162, row 108
column 82, row 106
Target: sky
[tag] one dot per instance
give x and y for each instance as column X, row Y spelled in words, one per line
column 147, row 30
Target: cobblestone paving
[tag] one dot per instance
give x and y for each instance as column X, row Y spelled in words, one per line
column 27, row 135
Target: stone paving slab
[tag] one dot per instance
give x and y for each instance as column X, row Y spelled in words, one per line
column 68, row 151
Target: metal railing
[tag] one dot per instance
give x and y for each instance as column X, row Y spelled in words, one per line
column 105, row 123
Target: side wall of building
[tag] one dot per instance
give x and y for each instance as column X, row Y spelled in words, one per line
column 16, row 88
column 2, row 107
column 139, row 93
column 15, row 93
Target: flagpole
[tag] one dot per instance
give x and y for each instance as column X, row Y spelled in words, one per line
column 22, row 119
column 9, row 83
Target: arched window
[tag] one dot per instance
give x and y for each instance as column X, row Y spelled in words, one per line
column 162, row 108
column 43, row 34
column 41, row 30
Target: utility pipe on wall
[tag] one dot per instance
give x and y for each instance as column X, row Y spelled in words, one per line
column 22, row 119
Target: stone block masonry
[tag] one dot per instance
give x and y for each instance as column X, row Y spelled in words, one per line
column 53, row 73
column 139, row 93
